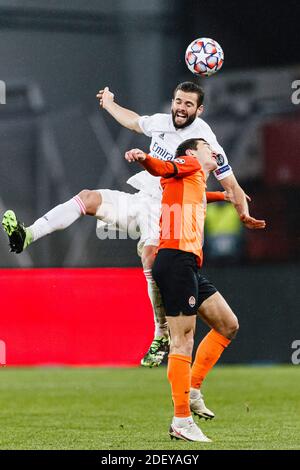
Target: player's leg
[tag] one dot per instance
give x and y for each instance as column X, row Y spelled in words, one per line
column 140, row 213
column 58, row 218
column 182, row 329
column 218, row 315
column 148, row 215
column 161, row 325
column 175, row 274
column 161, row 341
column 215, row 312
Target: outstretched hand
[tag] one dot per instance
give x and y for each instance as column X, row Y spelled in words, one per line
column 135, row 155
column 252, row 223
column 105, row 97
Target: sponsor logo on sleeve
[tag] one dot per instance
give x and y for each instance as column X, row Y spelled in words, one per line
column 222, row 170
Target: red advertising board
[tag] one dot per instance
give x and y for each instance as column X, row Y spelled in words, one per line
column 74, row 316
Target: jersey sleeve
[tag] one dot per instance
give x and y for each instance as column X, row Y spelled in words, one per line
column 214, row 196
column 186, row 166
column 178, row 168
column 224, row 169
column 148, row 124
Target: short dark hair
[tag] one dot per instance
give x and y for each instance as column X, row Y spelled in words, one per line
column 191, row 87
column 189, row 144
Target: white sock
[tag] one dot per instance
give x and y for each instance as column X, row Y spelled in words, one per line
column 161, row 325
column 194, row 393
column 58, row 218
column 182, row 422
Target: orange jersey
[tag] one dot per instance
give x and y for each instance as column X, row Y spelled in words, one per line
column 183, row 203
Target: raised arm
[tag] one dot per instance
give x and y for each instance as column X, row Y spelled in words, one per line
column 125, row 117
column 153, row 165
column 178, row 168
column 239, row 199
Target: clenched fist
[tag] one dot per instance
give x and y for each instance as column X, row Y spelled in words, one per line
column 135, row 155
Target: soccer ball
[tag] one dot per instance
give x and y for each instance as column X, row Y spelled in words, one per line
column 204, row 56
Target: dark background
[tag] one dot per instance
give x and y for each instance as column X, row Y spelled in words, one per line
column 55, row 141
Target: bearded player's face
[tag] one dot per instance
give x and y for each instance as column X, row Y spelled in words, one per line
column 185, row 109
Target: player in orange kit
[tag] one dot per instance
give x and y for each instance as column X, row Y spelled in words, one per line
column 184, row 291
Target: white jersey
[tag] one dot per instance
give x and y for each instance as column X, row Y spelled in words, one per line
column 165, row 139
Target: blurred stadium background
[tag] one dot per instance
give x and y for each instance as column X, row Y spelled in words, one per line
column 55, row 141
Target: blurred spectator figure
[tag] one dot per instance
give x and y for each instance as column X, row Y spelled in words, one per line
column 224, row 240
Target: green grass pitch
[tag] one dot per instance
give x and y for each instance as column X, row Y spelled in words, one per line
column 130, row 408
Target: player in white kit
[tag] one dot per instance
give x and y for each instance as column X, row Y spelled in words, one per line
column 140, row 212
column 167, row 131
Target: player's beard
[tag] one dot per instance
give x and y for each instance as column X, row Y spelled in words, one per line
column 188, row 122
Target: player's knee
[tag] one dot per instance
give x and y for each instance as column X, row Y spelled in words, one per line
column 189, row 346
column 236, row 329
column 232, row 329
column 148, row 256
column 182, row 345
column 91, row 200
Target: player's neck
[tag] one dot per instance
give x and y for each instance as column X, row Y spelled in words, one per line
column 206, row 172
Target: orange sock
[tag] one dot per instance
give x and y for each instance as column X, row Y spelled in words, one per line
column 179, row 376
column 208, row 352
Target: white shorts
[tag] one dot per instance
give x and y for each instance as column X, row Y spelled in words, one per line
column 133, row 215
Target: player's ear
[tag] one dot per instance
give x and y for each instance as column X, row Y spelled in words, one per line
column 200, row 110
column 189, row 152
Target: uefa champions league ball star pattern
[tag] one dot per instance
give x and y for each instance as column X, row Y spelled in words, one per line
column 204, row 56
